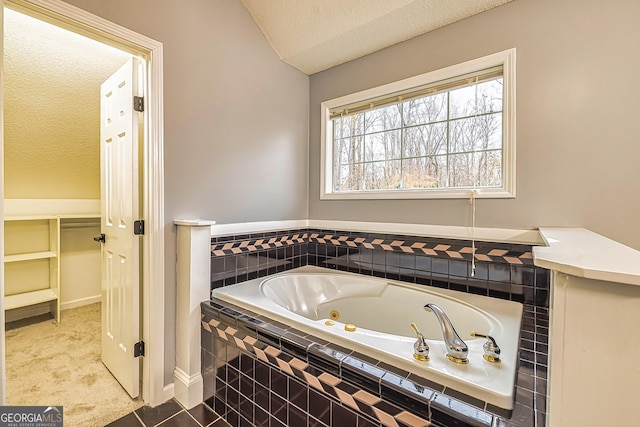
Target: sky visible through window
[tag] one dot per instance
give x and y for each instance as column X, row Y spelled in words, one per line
column 446, row 140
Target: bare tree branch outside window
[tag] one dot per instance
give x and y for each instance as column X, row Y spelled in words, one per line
column 445, row 140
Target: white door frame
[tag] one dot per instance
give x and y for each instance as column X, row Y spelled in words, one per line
column 62, row 14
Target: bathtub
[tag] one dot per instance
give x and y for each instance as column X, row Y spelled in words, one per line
column 327, row 303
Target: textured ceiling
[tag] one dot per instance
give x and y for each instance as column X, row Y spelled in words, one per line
column 52, row 83
column 313, row 35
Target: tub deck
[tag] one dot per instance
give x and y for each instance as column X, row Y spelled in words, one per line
column 291, row 298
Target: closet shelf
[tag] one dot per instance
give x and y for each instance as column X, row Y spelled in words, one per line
column 28, row 298
column 28, row 217
column 32, row 261
column 29, row 256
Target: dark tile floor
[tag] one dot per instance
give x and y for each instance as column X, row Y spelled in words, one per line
column 171, row 414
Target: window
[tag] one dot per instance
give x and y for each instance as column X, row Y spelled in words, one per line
column 437, row 135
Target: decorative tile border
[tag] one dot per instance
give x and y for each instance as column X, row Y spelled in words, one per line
column 258, row 244
column 363, row 389
column 415, row 245
column 449, row 249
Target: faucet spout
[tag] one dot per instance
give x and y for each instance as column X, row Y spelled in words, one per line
column 457, row 350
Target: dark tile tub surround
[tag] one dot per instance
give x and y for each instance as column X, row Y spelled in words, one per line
column 502, row 271
column 260, row 372
column 239, row 258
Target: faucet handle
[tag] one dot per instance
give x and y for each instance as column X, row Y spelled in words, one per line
column 415, row 329
column 491, row 349
column 420, row 348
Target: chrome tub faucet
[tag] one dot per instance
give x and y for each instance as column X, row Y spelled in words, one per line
column 457, row 350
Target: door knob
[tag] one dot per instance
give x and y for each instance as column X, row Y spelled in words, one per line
column 100, row 238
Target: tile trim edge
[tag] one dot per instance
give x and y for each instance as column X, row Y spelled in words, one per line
column 503, row 235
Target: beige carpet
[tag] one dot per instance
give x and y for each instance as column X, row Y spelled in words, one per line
column 51, row 363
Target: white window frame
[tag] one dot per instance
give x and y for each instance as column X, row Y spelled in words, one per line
column 507, row 59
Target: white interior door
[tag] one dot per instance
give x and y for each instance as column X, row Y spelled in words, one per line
column 119, row 206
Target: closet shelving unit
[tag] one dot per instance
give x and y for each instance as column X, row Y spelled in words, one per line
column 32, row 262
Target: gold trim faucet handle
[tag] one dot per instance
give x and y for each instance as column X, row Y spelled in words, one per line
column 420, row 348
column 415, row 328
column 491, row 349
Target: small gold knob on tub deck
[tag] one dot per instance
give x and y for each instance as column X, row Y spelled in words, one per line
column 491, row 349
column 350, row 327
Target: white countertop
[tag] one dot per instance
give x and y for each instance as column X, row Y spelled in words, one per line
column 194, row 222
column 583, row 253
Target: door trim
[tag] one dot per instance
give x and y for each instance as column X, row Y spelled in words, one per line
column 67, row 16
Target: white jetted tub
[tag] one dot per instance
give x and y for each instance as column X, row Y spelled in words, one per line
column 382, row 310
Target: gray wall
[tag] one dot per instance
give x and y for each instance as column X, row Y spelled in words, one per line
column 578, row 148
column 236, row 119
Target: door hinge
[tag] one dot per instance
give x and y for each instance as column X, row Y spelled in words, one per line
column 138, row 103
column 138, row 227
column 138, row 349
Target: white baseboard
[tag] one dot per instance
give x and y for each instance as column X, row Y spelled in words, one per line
column 188, row 389
column 80, row 302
